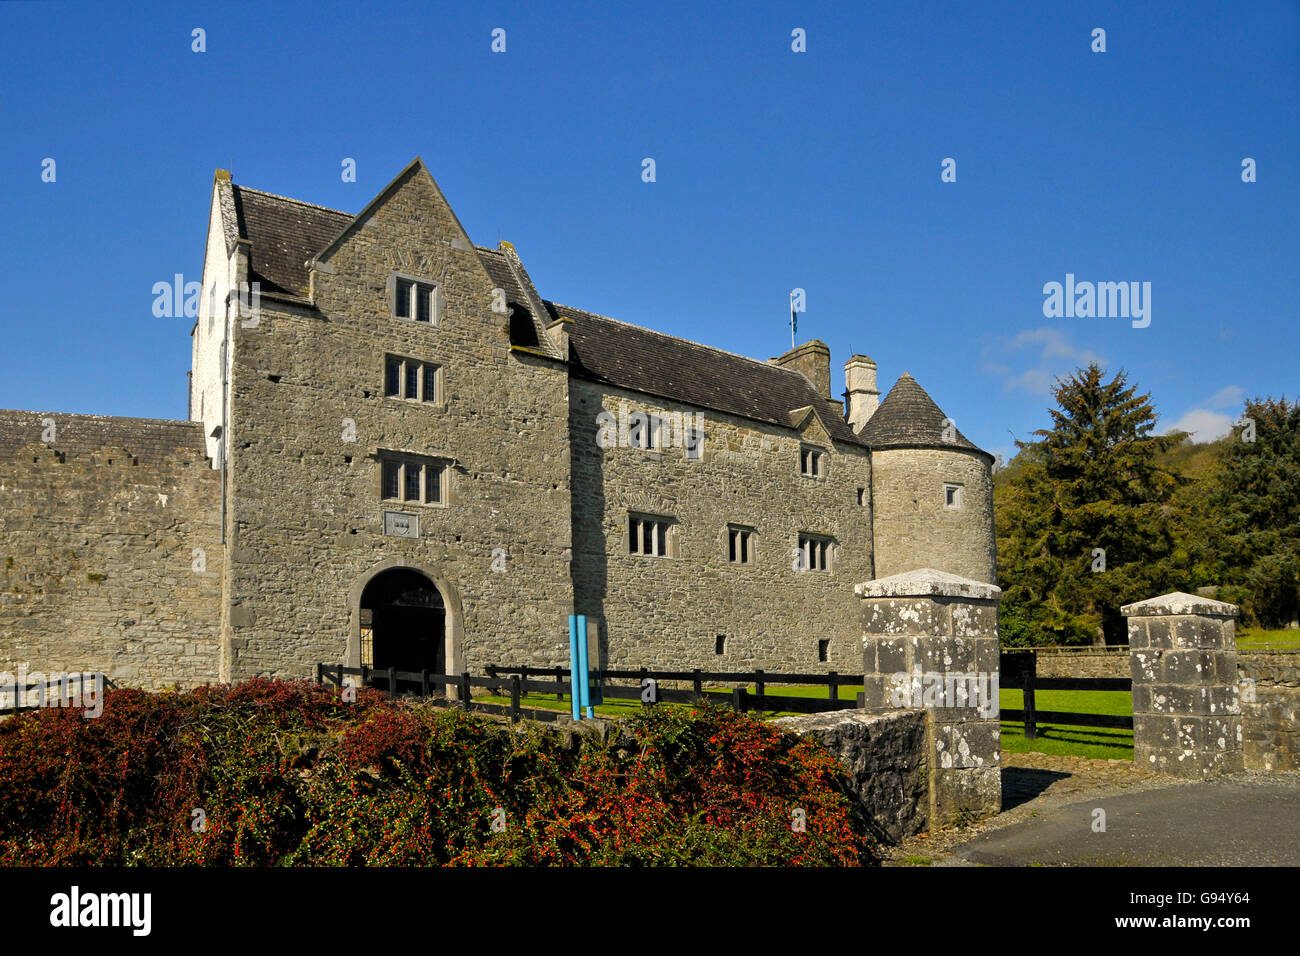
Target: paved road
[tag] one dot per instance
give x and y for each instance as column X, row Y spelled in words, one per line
column 1242, row 820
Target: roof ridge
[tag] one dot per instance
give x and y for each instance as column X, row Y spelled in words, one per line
column 690, row 342
column 300, row 202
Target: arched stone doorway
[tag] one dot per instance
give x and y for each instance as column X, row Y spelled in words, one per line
column 403, row 623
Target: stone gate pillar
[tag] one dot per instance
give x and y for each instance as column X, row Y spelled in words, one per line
column 1186, row 699
column 930, row 640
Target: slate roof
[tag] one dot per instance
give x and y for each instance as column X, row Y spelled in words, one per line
column 499, row 271
column 286, row 233
column 909, row 418
column 629, row 356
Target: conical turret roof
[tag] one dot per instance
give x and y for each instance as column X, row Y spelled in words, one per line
column 909, row 418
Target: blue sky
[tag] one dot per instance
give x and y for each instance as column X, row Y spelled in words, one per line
column 774, row 170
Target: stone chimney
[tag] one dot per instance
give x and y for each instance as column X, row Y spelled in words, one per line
column 813, row 360
column 860, row 384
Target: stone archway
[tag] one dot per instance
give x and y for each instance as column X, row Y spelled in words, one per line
column 405, row 615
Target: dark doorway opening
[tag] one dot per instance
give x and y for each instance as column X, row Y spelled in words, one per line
column 403, row 625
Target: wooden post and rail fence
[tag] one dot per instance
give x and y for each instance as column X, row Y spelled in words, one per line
column 1018, row 671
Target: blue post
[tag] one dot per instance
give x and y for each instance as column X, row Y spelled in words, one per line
column 582, row 663
column 573, row 665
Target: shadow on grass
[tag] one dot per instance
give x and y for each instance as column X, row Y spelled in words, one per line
column 1066, row 741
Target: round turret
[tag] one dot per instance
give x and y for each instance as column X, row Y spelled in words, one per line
column 932, row 489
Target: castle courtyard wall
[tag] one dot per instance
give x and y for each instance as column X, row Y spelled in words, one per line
column 110, row 549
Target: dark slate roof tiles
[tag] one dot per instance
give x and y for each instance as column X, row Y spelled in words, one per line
column 629, row 356
column 285, row 233
column 909, row 418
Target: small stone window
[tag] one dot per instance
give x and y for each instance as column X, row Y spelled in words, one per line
column 823, row 650
column 740, row 544
column 693, row 439
column 720, row 644
column 952, row 497
column 812, row 462
column 814, row 553
column 645, row 431
column 412, row 480
column 651, row 536
column 412, row 380
column 862, row 497
column 413, row 299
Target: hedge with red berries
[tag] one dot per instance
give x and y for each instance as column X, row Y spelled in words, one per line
column 282, row 773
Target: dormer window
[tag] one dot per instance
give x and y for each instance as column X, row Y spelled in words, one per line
column 812, row 462
column 414, row 299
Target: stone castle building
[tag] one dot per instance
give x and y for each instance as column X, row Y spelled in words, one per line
column 399, row 453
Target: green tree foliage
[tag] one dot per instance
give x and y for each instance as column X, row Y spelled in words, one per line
column 1085, row 521
column 1253, row 517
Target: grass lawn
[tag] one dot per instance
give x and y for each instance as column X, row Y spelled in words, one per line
column 1062, row 740
column 1056, row 739
column 611, row 708
column 1258, row 639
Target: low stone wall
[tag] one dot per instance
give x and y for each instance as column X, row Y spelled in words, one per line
column 886, row 758
column 1083, row 661
column 1270, row 709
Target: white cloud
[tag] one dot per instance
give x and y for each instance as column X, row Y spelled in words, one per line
column 1046, row 350
column 1208, row 421
column 1229, row 397
column 1203, row 424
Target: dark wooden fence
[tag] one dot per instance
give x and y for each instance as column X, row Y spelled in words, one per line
column 427, row 683
column 739, row 698
column 1020, row 670
column 518, row 681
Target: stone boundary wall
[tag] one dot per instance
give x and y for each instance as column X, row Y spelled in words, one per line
column 1081, row 661
column 1270, row 709
column 110, row 549
column 885, row 755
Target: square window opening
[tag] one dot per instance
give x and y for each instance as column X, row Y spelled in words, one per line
column 952, row 497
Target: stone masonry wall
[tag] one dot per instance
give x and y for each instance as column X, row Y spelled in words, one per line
column 930, row 639
column 1270, row 709
column 885, row 755
column 1083, row 662
column 111, row 550
column 306, row 521
column 1187, row 717
column 667, row 612
column 912, row 527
